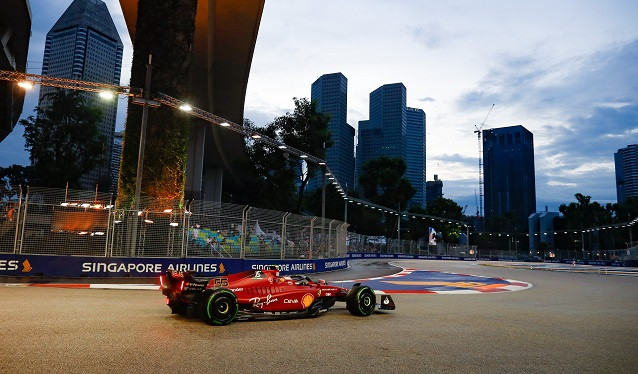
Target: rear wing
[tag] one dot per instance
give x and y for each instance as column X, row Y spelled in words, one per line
column 176, row 282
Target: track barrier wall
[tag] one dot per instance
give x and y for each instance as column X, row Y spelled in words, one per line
column 122, row 267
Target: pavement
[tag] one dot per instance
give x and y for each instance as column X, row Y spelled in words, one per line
column 568, row 322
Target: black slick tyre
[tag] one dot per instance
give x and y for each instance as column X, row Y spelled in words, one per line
column 218, row 307
column 361, row 301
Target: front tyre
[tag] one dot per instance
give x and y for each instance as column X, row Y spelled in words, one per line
column 218, row 307
column 361, row 301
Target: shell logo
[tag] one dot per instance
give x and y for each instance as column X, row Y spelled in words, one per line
column 307, row 299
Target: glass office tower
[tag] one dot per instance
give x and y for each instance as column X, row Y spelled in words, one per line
column 330, row 91
column 508, row 166
column 415, row 154
column 626, row 160
column 85, row 45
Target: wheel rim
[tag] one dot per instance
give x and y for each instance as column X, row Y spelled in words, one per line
column 220, row 309
column 223, row 307
column 366, row 303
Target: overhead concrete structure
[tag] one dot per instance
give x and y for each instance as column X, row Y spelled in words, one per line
column 15, row 32
column 225, row 36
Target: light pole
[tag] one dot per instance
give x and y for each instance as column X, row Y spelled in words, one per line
column 345, row 209
column 399, row 229
column 323, row 202
column 145, row 102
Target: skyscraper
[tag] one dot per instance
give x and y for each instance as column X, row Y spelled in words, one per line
column 85, row 45
column 510, row 187
column 415, row 154
column 433, row 189
column 330, row 91
column 626, row 160
column 397, row 131
column 384, row 134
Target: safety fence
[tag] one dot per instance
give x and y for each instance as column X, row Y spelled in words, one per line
column 383, row 245
column 48, row 221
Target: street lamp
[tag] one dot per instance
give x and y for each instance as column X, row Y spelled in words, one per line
column 145, row 102
column 27, row 85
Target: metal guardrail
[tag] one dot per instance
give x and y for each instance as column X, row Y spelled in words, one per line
column 85, row 223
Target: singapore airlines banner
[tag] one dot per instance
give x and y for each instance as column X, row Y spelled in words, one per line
column 71, row 266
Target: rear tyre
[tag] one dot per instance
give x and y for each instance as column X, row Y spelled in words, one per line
column 218, row 307
column 361, row 301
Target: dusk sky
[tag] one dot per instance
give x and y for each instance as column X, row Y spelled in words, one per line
column 565, row 70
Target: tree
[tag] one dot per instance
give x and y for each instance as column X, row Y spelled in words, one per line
column 446, row 208
column 583, row 214
column 13, row 175
column 274, row 186
column 627, row 210
column 305, row 129
column 63, row 140
column 166, row 30
column 383, row 183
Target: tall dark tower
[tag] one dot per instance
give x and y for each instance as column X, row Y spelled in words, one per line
column 85, row 45
column 415, row 154
column 384, row 134
column 330, row 91
column 626, row 161
column 510, row 187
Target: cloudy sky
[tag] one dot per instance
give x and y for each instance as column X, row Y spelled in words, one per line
column 566, row 70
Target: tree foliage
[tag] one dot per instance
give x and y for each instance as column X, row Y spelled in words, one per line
column 63, row 140
column 383, row 182
column 584, row 214
column 13, row 175
column 305, row 129
column 275, row 173
column 627, row 210
column 445, row 208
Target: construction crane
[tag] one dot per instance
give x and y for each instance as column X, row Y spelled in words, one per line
column 479, row 209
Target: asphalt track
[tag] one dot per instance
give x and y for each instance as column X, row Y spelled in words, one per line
column 567, row 322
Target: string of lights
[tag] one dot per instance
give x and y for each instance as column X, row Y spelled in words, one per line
column 563, row 231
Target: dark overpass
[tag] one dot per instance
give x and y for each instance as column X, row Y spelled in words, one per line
column 225, row 36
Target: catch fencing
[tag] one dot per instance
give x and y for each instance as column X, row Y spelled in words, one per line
column 87, row 223
column 380, row 244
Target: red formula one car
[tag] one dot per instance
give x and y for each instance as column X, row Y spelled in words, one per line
column 262, row 294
